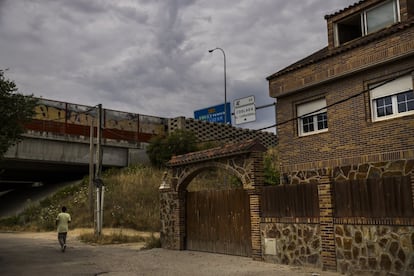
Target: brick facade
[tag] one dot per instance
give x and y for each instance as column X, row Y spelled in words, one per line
column 351, row 130
column 342, row 76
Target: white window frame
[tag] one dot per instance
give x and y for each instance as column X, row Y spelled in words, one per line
column 311, row 109
column 396, row 15
column 390, row 89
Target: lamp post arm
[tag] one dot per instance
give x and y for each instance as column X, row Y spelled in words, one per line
column 225, row 82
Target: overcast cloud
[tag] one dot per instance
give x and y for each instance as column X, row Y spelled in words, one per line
column 151, row 57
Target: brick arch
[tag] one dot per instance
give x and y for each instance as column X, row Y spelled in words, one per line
column 243, row 160
column 186, row 175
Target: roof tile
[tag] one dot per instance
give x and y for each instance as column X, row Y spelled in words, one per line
column 230, row 149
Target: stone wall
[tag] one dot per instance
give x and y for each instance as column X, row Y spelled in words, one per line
column 374, row 169
column 168, row 217
column 291, row 244
column 375, row 249
column 359, row 248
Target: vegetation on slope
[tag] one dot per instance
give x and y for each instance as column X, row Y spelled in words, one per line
column 131, row 201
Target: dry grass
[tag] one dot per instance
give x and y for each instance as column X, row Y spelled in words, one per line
column 118, row 236
column 111, row 238
column 131, row 198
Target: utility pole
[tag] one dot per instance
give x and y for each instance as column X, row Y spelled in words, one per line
column 91, row 169
column 98, row 170
column 99, row 143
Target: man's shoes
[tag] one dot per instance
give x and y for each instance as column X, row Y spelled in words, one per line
column 64, row 248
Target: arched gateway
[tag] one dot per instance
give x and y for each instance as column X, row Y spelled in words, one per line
column 245, row 161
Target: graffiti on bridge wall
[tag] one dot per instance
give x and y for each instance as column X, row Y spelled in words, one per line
column 61, row 112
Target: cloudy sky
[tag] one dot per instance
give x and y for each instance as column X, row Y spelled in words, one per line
column 151, row 56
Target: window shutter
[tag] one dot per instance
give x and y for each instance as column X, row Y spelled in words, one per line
column 401, row 84
column 311, row 108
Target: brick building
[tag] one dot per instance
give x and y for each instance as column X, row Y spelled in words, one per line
column 346, row 112
column 339, row 82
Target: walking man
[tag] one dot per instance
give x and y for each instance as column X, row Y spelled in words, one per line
column 62, row 222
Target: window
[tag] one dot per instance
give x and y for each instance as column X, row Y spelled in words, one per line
column 405, row 101
column 313, row 117
column 348, row 29
column 366, row 22
column 381, row 16
column 392, row 99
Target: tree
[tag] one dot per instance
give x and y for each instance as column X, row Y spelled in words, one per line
column 15, row 110
column 161, row 149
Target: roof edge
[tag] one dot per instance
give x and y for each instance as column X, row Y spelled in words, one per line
column 251, row 145
column 328, row 16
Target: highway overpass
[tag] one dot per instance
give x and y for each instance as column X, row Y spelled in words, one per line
column 47, row 157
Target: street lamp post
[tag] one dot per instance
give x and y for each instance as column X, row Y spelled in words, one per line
column 225, row 82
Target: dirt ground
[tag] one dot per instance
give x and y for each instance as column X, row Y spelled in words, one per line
column 39, row 254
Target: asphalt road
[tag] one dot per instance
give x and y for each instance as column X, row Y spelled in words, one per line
column 39, row 254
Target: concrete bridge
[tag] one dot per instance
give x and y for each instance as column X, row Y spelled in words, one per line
column 42, row 157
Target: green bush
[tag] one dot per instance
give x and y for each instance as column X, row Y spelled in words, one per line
column 161, row 149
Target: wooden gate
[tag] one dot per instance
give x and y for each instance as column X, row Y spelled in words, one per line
column 219, row 222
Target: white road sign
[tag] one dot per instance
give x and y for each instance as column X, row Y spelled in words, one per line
column 245, row 114
column 243, row 101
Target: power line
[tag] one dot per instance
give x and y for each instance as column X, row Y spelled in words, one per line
column 409, row 70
